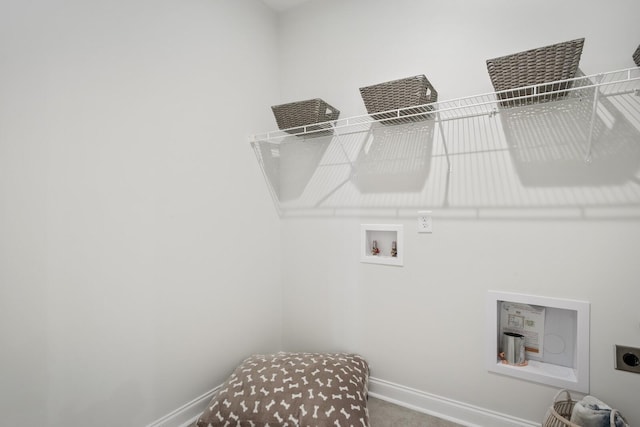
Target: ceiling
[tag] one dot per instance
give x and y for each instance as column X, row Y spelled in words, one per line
column 281, row 5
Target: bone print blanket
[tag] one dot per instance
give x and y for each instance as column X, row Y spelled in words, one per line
column 293, row 390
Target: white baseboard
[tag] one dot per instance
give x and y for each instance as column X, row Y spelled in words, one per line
column 438, row 406
column 188, row 413
column 442, row 407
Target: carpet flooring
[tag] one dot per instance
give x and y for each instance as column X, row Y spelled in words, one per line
column 385, row 414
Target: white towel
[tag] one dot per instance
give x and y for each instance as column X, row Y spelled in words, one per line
column 592, row 412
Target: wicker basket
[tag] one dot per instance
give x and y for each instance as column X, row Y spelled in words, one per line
column 535, row 67
column 636, row 56
column 295, row 116
column 402, row 94
column 560, row 413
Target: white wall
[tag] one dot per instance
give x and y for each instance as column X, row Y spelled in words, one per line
column 422, row 325
column 128, row 201
column 134, row 271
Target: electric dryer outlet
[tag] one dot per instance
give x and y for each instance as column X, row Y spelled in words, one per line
column 627, row 359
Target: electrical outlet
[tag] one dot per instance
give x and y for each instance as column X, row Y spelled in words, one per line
column 627, row 359
column 425, row 222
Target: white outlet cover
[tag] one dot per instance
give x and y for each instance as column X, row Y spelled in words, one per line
column 425, row 222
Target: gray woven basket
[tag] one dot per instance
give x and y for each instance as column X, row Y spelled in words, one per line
column 400, row 94
column 294, row 116
column 535, row 67
column 636, row 56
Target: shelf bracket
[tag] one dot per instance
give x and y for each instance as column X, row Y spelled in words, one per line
column 444, row 142
column 594, row 111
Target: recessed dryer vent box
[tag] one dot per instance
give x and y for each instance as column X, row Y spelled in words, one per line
column 556, row 338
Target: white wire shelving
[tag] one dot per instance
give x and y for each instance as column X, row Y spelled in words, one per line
column 594, row 86
column 569, row 144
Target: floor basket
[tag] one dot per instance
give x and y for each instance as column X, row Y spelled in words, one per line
column 400, row 95
column 636, row 56
column 296, row 117
column 535, row 67
column 559, row 413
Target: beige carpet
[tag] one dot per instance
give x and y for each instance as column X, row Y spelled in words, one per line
column 385, row 414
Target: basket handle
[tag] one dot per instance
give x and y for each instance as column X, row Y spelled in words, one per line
column 614, row 415
column 555, row 399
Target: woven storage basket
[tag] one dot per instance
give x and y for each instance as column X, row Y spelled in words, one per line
column 535, row 67
column 636, row 56
column 560, row 413
column 294, row 116
column 400, row 94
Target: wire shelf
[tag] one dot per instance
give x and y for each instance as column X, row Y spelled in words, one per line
column 475, row 156
column 605, row 84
